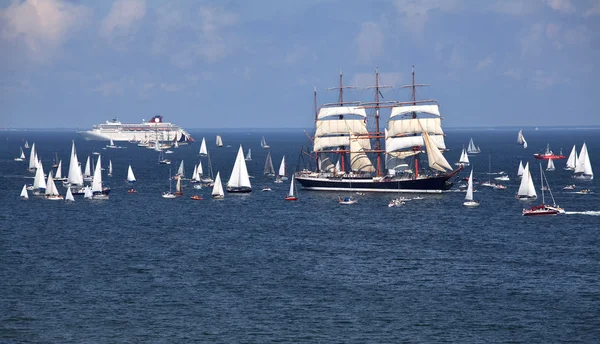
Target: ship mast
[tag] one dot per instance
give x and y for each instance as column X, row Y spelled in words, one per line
column 341, row 88
column 377, row 107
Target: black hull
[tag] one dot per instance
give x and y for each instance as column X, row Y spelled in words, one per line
column 239, row 190
column 435, row 184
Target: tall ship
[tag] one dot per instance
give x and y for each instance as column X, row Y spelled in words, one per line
column 351, row 152
column 153, row 130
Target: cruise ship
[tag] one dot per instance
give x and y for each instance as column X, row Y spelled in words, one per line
column 153, row 130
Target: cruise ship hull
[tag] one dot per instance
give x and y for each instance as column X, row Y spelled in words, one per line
column 437, row 184
column 97, row 135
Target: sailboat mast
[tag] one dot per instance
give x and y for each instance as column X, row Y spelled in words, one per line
column 542, row 183
column 378, row 144
column 316, row 118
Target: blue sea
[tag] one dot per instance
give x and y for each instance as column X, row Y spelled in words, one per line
column 254, row 268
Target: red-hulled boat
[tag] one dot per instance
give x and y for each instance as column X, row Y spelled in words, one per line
column 548, row 154
column 540, row 210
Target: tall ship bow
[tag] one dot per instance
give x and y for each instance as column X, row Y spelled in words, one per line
column 344, row 146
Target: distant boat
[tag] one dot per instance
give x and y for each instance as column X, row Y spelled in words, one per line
column 503, row 178
column 219, row 141
column 217, row 191
column 520, row 170
column 292, row 194
column 469, row 201
column 130, row 175
column 21, row 156
column 178, row 188
column 111, row 145
column 87, row 193
column 180, row 170
column 169, row 194
column 347, row 200
column 110, row 170
column 87, row 172
column 99, row 191
column 203, row 151
column 69, row 196
column 521, row 139
column 550, row 165
column 32, row 158
column 281, row 173
column 544, row 209
column 472, row 149
column 548, row 154
column 39, row 182
column 464, row 158
column 239, row 181
column 263, row 143
column 51, row 191
column 248, row 155
column 526, row 188
column 162, row 160
column 583, row 170
column 27, row 144
column 58, row 176
column 572, row 160
column 269, row 171
column 24, row 194
column 489, row 181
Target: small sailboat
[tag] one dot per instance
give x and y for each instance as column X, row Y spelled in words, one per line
column 472, row 149
column 24, row 194
column 162, row 160
column 281, row 174
column 26, row 144
column 55, row 161
column 203, row 151
column 239, row 181
column 347, row 200
column 550, row 165
column 169, row 194
column 69, row 196
column 489, row 181
column 521, row 139
column 51, row 191
column 21, row 156
column 87, row 193
column 464, row 158
column 219, row 141
column 32, row 159
column 544, row 209
column 520, row 170
column 572, row 160
column 178, row 188
column 266, row 188
column 110, row 170
column 111, row 145
column 130, row 179
column 180, row 170
column 217, row 191
column 292, row 194
column 526, row 188
column 269, row 171
column 39, row 182
column 58, row 176
column 99, row 191
column 583, row 170
column 248, row 155
column 469, row 201
column 263, row 143
column 87, row 172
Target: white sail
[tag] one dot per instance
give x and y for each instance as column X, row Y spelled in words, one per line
column 88, row 170
column 59, row 170
column 325, row 164
column 32, row 157
column 239, row 175
column 432, row 109
column 281, row 172
column 292, row 191
column 472, row 149
column 74, row 177
column 550, row 165
column 217, row 190
column 526, row 188
column 39, row 182
column 521, row 139
column 469, row 195
column 394, row 144
column 464, row 158
column 176, row 144
column 328, row 127
column 338, row 167
column 434, row 156
column 572, row 161
column 269, row 170
column 321, row 143
column 87, row 192
column 195, row 176
column 219, row 141
column 341, row 110
column 69, row 196
column 97, row 179
column 203, row 150
column 359, row 161
column 200, row 172
column 583, row 169
column 178, row 185
column 249, row 155
column 26, row 144
column 51, row 189
column 110, row 167
column 263, row 143
column 433, row 126
column 24, row 193
column 181, row 171
column 22, row 155
column 520, row 171
column 130, row 175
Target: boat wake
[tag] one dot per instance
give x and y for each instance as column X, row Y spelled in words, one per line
column 590, row 212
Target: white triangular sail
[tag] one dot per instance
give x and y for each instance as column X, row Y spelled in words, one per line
column 130, row 175
column 59, row 170
column 572, row 160
column 219, row 141
column 249, row 155
column 434, row 156
column 263, row 143
column 239, row 175
column 200, row 171
column 583, row 169
column 203, row 150
column 88, row 170
column 281, row 172
column 22, row 155
column 521, row 139
column 87, row 192
column 51, row 189
column 269, row 170
column 195, row 176
column 464, row 158
column 74, row 177
column 110, row 167
column 292, row 191
column 181, row 170
column 526, row 188
column 26, row 144
column 469, row 195
column 24, row 193
column 32, row 157
column 471, row 149
column 178, row 185
column 520, row 171
column 217, row 190
column 97, row 180
column 39, row 182
column 69, row 196
column 550, row 165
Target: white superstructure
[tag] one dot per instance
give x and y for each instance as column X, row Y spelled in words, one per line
column 154, row 130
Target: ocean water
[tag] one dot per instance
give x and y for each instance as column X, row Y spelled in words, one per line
column 257, row 269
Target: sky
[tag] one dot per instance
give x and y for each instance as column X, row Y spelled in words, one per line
column 254, row 64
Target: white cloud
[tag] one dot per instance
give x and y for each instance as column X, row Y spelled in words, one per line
column 113, row 88
column 513, row 73
column 42, row 25
column 564, row 6
column 415, row 13
column 484, row 64
column 594, row 11
column 122, row 17
column 370, row 42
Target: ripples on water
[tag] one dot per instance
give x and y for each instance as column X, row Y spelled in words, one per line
column 254, row 268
